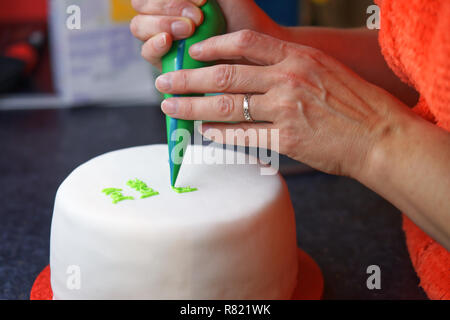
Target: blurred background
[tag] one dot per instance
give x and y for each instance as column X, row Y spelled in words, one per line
column 43, row 64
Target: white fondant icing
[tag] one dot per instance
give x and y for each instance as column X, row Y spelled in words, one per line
column 234, row 238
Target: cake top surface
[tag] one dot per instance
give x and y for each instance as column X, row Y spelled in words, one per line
column 137, row 179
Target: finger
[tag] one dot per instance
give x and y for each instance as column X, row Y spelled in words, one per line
column 241, row 134
column 184, row 8
column 144, row 27
column 251, row 45
column 155, row 48
column 218, row 108
column 221, row 78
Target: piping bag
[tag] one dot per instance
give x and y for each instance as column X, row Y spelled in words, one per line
column 179, row 131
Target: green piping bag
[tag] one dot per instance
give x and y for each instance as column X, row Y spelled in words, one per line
column 176, row 59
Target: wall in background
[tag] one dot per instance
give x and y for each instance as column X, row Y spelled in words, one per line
column 285, row 12
column 331, row 13
column 23, row 10
column 334, row 13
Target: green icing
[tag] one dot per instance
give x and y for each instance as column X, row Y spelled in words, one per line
column 116, row 195
column 141, row 187
column 184, row 189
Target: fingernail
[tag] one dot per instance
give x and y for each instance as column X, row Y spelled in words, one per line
column 161, row 41
column 164, row 83
column 199, row 2
column 195, row 49
column 181, row 29
column 170, row 106
column 193, row 14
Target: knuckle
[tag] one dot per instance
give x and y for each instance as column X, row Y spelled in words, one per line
column 315, row 55
column 163, row 23
column 300, row 55
column 290, row 78
column 311, row 60
column 225, row 105
column 134, row 26
column 173, row 6
column 145, row 52
column 288, row 109
column 245, row 38
column 187, row 109
column 138, row 5
column 286, row 47
column 224, row 76
column 181, row 80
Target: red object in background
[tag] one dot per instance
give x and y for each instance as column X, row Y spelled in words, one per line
column 23, row 10
column 18, row 20
column 42, row 289
column 23, row 52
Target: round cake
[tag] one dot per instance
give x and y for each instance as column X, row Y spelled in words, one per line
column 120, row 231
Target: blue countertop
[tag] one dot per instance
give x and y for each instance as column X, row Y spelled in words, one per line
column 344, row 226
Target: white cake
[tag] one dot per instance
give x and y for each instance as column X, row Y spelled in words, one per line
column 233, row 238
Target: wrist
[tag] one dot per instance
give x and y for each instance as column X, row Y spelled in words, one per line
column 391, row 143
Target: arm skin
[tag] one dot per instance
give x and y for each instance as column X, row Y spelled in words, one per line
column 410, row 167
column 356, row 48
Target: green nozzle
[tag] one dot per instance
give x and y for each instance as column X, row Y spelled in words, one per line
column 179, row 131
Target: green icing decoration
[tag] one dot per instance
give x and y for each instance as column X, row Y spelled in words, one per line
column 184, row 189
column 141, row 187
column 116, row 195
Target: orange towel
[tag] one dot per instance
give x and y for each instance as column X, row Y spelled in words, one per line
column 415, row 41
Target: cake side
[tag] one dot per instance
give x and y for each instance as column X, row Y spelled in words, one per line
column 234, row 238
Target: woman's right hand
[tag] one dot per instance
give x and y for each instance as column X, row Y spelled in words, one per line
column 160, row 22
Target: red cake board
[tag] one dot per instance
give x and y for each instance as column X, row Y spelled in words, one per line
column 309, row 286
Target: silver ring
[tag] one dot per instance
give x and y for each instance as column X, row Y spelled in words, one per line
column 247, row 115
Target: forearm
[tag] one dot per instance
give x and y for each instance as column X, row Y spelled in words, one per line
column 356, row 48
column 410, row 167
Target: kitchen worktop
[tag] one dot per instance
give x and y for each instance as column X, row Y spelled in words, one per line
column 344, row 226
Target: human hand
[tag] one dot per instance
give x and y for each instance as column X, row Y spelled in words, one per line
column 327, row 116
column 160, row 22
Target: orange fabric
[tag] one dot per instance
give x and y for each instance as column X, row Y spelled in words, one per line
column 415, row 41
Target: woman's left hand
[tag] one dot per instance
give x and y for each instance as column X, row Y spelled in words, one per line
column 327, row 116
